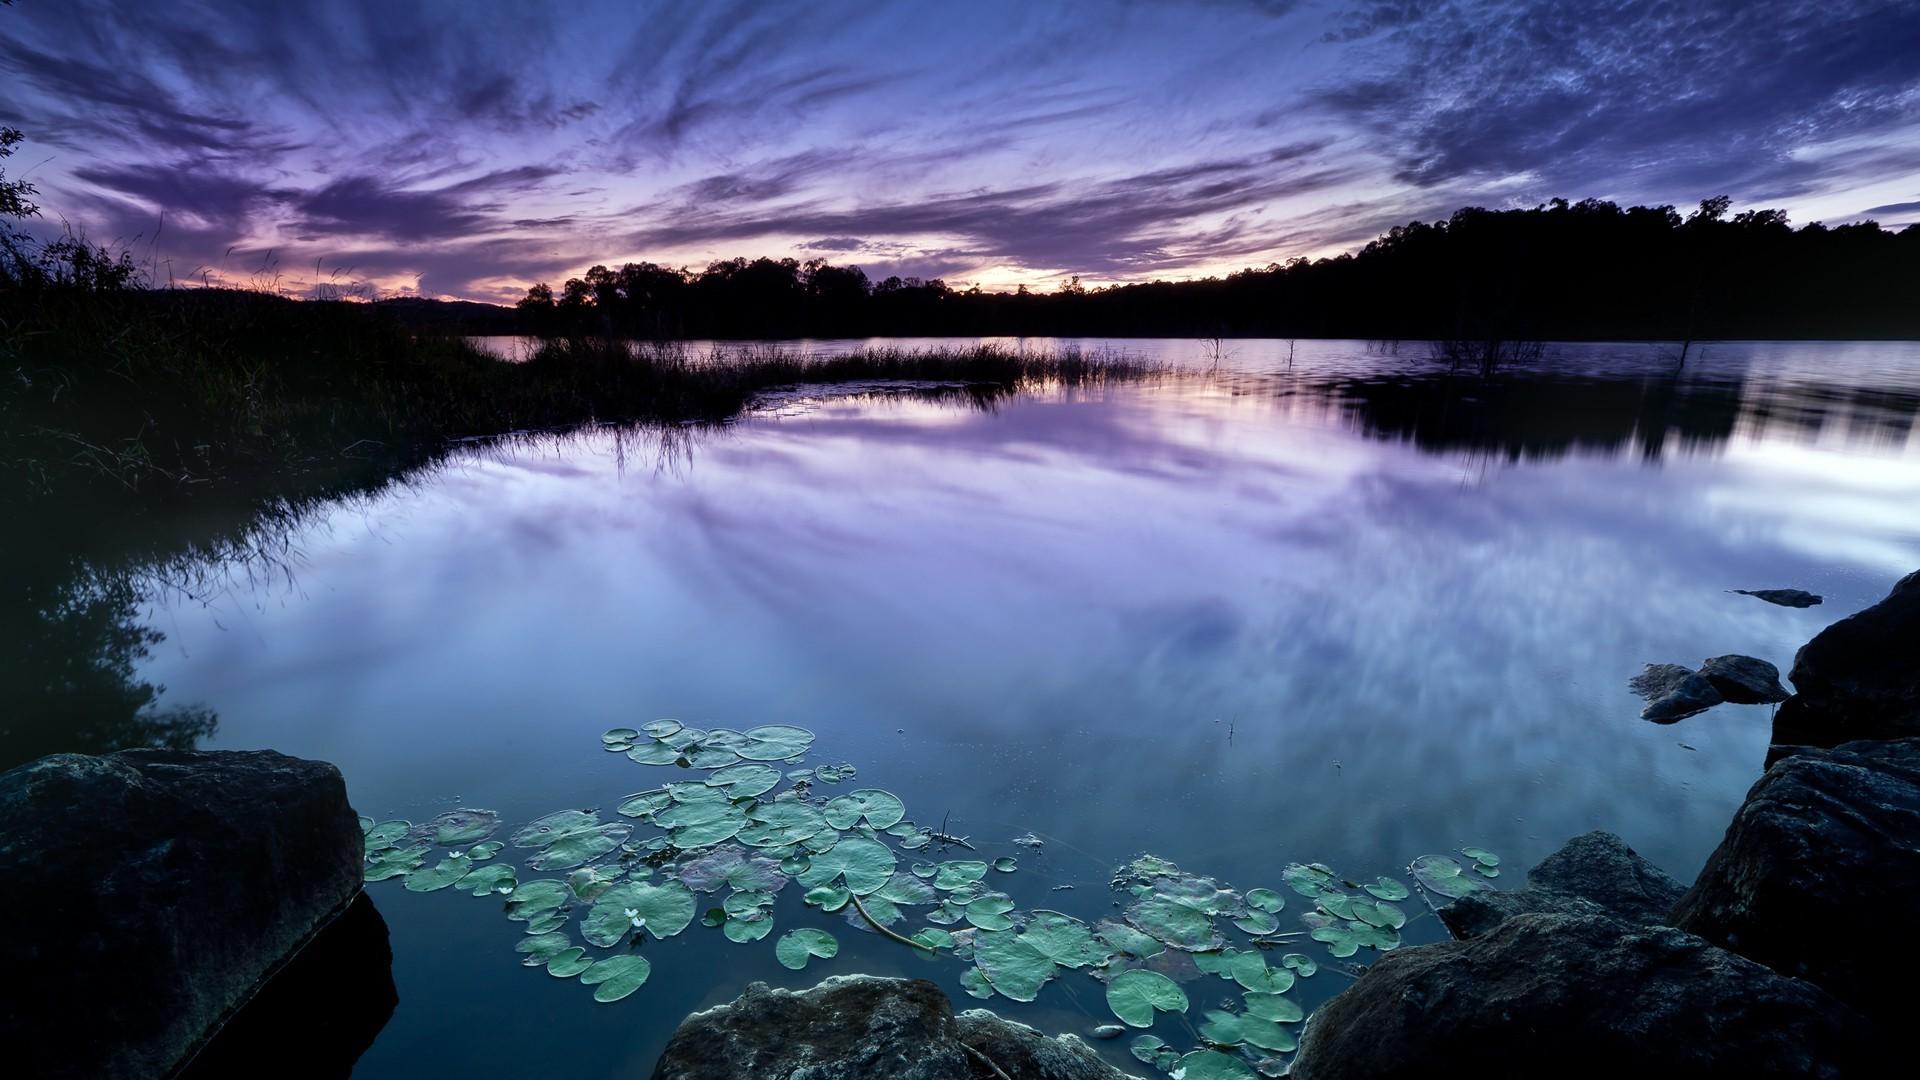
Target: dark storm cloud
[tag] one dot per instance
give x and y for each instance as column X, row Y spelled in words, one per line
column 1633, row 95
column 1899, row 208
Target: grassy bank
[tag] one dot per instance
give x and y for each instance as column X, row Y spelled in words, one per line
column 186, row 387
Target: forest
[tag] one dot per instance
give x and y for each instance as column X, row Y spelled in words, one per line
column 1589, row 270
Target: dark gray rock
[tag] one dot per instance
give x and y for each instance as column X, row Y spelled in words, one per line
column 1560, row 995
column 1658, row 680
column 1819, row 874
column 1687, row 696
column 1859, row 678
column 1744, row 680
column 862, row 1027
column 1595, row 874
column 149, row 893
column 1784, row 597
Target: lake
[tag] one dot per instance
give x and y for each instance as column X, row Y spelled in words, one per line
column 1315, row 601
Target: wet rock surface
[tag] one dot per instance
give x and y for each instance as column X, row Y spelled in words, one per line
column 1744, row 680
column 1594, row 874
column 1794, row 598
column 1859, row 678
column 1582, row 995
column 863, row 1027
column 1826, row 839
column 1685, row 697
column 152, row 892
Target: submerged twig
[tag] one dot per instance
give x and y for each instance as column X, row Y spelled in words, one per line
column 875, row 923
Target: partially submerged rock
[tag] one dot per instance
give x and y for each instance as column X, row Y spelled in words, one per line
column 1827, row 839
column 1595, row 874
column 863, row 1027
column 151, row 892
column 1860, row 677
column 1656, row 681
column 1797, row 598
column 1571, row 995
column 1744, row 680
column 1687, row 696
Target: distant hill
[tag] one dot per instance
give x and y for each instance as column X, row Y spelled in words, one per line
column 467, row 316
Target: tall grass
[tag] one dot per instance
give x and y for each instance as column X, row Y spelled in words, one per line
column 185, row 387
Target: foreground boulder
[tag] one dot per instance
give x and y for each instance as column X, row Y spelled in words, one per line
column 1819, row 874
column 1859, row 678
column 1572, row 995
column 151, row 892
column 1595, row 874
column 862, row 1027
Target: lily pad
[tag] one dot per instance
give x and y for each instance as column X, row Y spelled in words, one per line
column 663, row 910
column 1016, row 968
column 1444, row 876
column 1006, row 864
column 1300, row 964
column 387, row 834
column 834, row 774
column 619, row 739
column 494, row 878
column 1379, row 913
column 1126, row 939
column 569, row 963
column 463, row 826
column 1387, row 888
column 1063, row 939
column 588, row 883
column 440, row 875
column 1212, row 1065
column 1481, row 856
column 746, row 928
column 394, row 861
column 703, row 821
column 954, row 873
column 530, row 899
column 904, row 888
column 661, row 729
column 976, row 984
column 776, row 742
column 990, row 912
column 1250, row 970
column 1232, row 1028
column 864, row 864
column 782, row 821
column 645, row 803
column 827, row 897
column 879, row 809
column 554, row 826
column 617, row 976
column 1258, row 923
column 933, row 937
column 654, row 752
column 796, row 947
column 751, row 778
column 1265, row 900
column 581, row 847
column 1280, row 1010
column 540, row 948
column 1134, row 996
column 1309, row 879
column 484, row 851
column 1172, row 922
column 1155, row 1052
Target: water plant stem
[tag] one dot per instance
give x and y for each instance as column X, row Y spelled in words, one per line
column 875, row 923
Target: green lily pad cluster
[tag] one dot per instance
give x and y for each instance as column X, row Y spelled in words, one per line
column 733, row 830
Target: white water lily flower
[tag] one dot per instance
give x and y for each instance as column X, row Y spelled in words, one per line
column 633, row 916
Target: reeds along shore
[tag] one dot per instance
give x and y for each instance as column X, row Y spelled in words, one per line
column 143, row 387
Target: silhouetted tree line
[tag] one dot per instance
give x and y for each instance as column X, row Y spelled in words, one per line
column 1565, row 271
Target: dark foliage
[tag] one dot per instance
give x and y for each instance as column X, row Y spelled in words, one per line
column 1563, row 271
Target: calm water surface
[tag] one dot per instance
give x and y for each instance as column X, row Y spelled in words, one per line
column 1347, row 610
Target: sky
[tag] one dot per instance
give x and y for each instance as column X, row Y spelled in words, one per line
column 467, row 149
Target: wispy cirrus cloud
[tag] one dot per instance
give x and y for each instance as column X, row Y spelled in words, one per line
column 441, row 147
